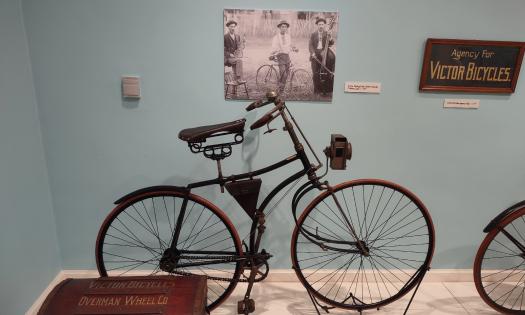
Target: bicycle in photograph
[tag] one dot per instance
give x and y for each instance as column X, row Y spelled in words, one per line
column 299, row 81
column 499, row 267
column 357, row 245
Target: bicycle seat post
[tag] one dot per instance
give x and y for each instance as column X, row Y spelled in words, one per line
column 220, row 175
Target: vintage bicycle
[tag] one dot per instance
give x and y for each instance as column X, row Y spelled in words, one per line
column 299, row 81
column 357, row 245
column 499, row 267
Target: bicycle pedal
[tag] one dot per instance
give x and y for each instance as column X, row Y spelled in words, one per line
column 246, row 306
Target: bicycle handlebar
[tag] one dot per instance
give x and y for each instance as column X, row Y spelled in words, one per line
column 267, row 117
column 257, row 104
column 271, row 98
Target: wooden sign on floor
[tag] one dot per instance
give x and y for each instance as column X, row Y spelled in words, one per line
column 166, row 295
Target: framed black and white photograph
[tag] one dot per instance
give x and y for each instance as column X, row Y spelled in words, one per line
column 289, row 52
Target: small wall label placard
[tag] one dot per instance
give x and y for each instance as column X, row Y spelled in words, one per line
column 362, row 87
column 460, row 103
column 471, row 66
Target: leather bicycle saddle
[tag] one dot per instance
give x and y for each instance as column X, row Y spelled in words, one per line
column 199, row 134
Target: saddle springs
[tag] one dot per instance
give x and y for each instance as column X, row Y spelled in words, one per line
column 216, row 151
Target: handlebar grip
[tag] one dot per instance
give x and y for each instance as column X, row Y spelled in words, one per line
column 261, row 121
column 257, row 104
column 254, row 105
column 266, row 118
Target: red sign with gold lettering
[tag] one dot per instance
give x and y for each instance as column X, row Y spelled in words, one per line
column 167, row 295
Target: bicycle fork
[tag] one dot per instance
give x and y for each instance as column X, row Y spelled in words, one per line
column 360, row 244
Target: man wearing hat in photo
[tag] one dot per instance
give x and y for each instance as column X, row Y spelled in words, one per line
column 281, row 48
column 233, row 45
column 322, row 69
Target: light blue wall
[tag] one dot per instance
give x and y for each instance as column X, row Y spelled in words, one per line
column 465, row 164
column 29, row 257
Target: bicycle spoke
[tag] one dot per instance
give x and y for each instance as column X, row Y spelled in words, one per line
column 327, row 260
column 518, row 232
column 132, row 236
column 508, row 293
column 347, row 209
column 359, row 233
column 338, row 225
column 399, row 228
column 167, row 215
column 403, row 261
column 193, row 227
column 156, row 221
column 131, row 244
column 495, row 240
column 200, row 231
column 404, row 236
column 498, row 251
column 375, row 210
column 156, row 233
column 394, row 212
column 330, row 233
column 376, row 282
column 380, row 277
column 373, row 228
column 147, row 228
column 217, row 242
column 383, row 231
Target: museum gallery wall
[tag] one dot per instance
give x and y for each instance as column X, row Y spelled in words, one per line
column 463, row 163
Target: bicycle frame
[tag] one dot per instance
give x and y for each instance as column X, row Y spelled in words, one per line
column 258, row 219
column 307, row 168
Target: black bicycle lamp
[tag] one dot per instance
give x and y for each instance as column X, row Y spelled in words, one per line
column 338, row 152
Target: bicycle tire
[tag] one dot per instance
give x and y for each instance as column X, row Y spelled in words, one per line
column 398, row 233
column 494, row 255
column 138, row 230
column 266, row 78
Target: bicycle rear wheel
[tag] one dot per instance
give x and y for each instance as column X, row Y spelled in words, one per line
column 135, row 235
column 393, row 225
column 267, row 78
column 301, row 84
column 499, row 267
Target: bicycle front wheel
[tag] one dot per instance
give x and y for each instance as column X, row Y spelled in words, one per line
column 133, row 238
column 266, row 78
column 499, row 267
column 392, row 224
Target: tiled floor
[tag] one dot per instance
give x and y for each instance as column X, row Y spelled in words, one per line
column 432, row 298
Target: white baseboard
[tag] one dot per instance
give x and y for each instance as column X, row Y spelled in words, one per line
column 275, row 275
column 33, row 310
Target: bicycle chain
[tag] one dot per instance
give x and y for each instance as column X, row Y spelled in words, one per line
column 182, row 273
column 226, row 258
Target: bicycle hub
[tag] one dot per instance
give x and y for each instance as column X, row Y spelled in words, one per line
column 169, row 260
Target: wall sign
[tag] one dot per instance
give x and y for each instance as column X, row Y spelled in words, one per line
column 471, row 65
column 362, row 87
column 460, row 103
